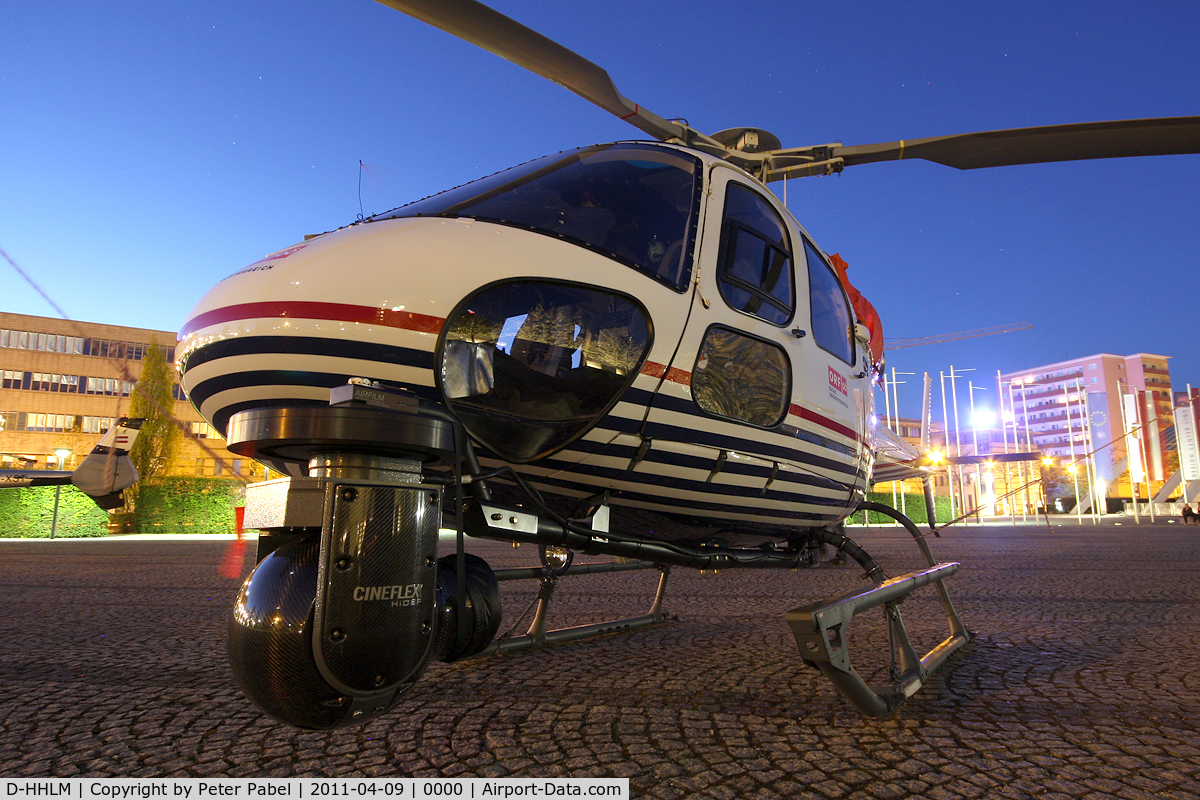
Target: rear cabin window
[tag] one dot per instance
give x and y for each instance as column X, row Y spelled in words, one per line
column 755, row 261
column 832, row 324
column 635, row 203
column 742, row 378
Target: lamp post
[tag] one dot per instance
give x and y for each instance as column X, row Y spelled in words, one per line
column 1089, row 444
column 1009, row 502
column 896, row 428
column 1024, row 384
column 1012, row 406
column 62, row 454
column 946, row 436
column 962, row 491
column 1087, row 474
column 887, row 422
column 971, row 389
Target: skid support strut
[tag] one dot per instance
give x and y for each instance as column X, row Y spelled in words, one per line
column 821, row 632
column 538, row 636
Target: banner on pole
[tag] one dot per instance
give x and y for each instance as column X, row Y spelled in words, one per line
column 1153, row 439
column 1133, row 439
column 1185, row 440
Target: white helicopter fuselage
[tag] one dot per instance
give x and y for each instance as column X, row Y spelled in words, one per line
column 738, row 410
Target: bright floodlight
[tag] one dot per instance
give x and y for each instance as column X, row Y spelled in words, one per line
column 984, row 418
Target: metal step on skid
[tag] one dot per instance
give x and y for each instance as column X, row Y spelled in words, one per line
column 821, row 633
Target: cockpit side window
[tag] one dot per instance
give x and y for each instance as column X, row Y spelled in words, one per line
column 756, row 260
column 832, row 325
column 635, row 203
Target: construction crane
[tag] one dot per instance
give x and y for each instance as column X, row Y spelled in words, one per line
column 896, row 344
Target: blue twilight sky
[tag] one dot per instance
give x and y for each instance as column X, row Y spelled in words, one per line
column 149, row 149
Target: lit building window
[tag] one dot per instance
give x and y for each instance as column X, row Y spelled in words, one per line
column 95, row 424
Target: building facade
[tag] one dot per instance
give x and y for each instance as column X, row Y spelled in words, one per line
column 1086, row 405
column 63, row 383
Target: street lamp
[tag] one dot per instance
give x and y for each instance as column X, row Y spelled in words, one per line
column 62, row 454
column 975, row 420
column 984, row 417
column 962, row 491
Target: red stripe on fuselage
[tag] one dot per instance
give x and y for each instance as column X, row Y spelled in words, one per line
column 656, row 370
column 837, row 427
column 336, row 312
column 423, row 323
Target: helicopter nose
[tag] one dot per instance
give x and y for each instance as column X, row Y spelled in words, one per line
column 488, row 319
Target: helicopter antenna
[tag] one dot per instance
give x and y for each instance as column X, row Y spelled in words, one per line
column 360, row 205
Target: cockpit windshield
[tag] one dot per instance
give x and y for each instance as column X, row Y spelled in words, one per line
column 635, row 203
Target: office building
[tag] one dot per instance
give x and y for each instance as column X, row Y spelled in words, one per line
column 62, row 383
column 1088, row 404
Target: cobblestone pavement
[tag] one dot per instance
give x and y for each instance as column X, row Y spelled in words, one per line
column 1082, row 682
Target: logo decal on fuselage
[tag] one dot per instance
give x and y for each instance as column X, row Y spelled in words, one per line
column 838, row 381
column 262, row 266
column 838, row 388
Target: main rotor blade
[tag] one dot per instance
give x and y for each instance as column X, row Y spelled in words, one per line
column 496, row 33
column 1118, row 139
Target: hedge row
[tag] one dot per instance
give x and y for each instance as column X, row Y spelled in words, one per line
column 914, row 509
column 166, row 505
column 28, row 513
column 185, row 505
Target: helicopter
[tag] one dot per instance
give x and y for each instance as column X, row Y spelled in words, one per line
column 629, row 349
column 103, row 475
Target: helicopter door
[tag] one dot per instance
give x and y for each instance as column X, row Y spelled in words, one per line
column 730, row 379
column 750, row 418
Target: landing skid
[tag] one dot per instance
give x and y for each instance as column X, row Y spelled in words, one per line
column 821, row 629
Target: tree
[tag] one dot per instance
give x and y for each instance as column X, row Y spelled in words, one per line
column 153, row 400
column 1058, row 484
